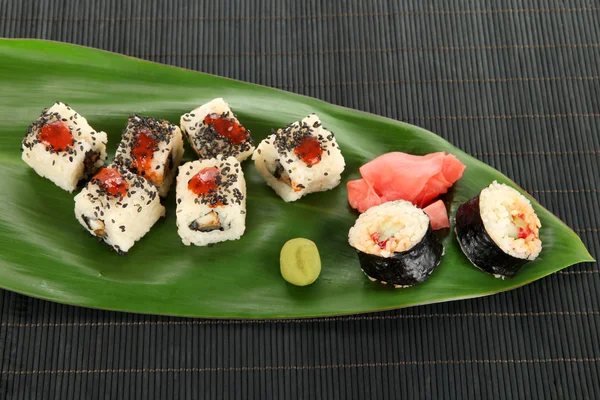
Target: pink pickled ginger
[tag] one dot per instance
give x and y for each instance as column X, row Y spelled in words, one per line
column 401, row 176
column 437, row 215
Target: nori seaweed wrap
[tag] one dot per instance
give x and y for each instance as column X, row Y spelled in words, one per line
column 395, row 244
column 498, row 230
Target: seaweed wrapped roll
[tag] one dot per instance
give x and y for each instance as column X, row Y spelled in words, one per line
column 212, row 129
column 118, row 206
column 395, row 244
column 151, row 148
column 61, row 146
column 498, row 230
column 211, row 201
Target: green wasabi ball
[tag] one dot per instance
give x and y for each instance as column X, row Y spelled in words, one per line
column 300, row 262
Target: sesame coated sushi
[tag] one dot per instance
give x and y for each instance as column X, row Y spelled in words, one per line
column 299, row 159
column 498, row 230
column 118, row 206
column 396, row 244
column 61, row 146
column 211, row 201
column 151, row 148
column 212, row 129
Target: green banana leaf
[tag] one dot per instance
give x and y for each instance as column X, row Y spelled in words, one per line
column 45, row 253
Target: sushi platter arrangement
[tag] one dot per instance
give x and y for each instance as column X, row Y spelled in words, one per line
column 498, row 230
column 256, row 203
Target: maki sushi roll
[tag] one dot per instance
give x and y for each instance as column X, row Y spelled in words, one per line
column 212, row 129
column 395, row 244
column 151, row 148
column 118, row 206
column 211, row 201
column 61, row 146
column 299, row 159
column 498, row 230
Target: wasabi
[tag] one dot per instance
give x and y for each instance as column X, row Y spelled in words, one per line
column 300, row 262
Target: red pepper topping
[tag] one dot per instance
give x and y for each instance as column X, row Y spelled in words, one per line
column 524, row 230
column 143, row 150
column 204, row 181
column 524, row 233
column 227, row 128
column 376, row 236
column 111, row 180
column 309, row 150
column 58, row 135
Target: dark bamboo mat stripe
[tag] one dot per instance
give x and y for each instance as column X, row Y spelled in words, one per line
column 515, row 83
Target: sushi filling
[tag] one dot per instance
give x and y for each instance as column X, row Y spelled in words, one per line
column 145, row 145
column 281, row 174
column 94, row 225
column 90, row 162
column 388, row 233
column 207, row 223
column 510, row 221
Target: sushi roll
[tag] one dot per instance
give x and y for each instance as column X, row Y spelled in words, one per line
column 498, row 230
column 211, row 201
column 151, row 148
column 212, row 129
column 61, row 146
column 395, row 244
column 299, row 159
column 118, row 206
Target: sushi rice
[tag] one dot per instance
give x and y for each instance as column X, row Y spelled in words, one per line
column 206, row 141
column 500, row 206
column 164, row 159
column 119, row 221
column 399, row 221
column 218, row 215
column 286, row 173
column 66, row 167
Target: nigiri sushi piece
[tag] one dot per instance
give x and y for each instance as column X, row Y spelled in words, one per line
column 119, row 207
column 61, row 146
column 211, row 201
column 212, row 130
column 151, row 148
column 299, row 159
